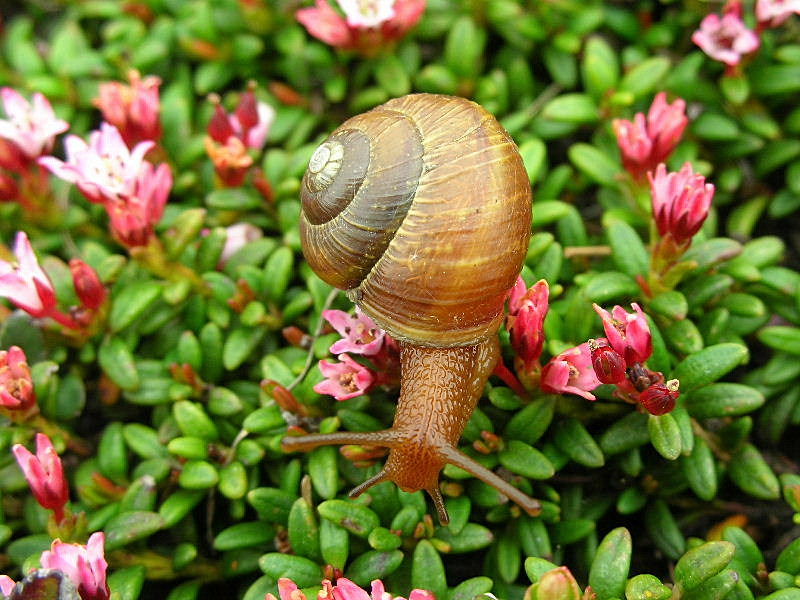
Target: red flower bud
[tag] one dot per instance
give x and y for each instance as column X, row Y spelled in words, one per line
column 659, row 398
column 608, row 364
column 91, row 292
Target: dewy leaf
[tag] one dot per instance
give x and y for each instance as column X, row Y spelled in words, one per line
column 709, row 364
column 702, row 562
column 609, row 570
column 593, row 163
column 572, row 108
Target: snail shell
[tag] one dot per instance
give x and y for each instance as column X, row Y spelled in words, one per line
column 420, row 209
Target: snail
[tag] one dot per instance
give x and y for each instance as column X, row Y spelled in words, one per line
column 420, row 209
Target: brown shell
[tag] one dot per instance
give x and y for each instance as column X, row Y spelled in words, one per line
column 431, row 237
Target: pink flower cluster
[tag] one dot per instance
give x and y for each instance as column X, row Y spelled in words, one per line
column 84, row 565
column 727, row 38
column 133, row 191
column 231, row 135
column 366, row 27
column 360, row 335
column 29, row 287
column 619, row 359
column 647, row 141
column 345, row 590
column 773, row 13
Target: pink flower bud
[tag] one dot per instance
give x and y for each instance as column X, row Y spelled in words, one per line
column 85, row 565
column 346, row 379
column 660, row 398
column 681, row 202
column 133, row 109
column 526, row 321
column 90, row 290
column 645, row 142
column 133, row 218
column 45, row 474
column 16, row 385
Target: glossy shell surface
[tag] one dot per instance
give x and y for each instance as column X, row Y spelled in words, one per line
column 424, row 219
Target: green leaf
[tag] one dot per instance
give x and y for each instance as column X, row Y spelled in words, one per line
column 526, row 460
column 117, row 361
column 356, row 518
column 131, row 526
column 178, row 504
column 645, row 77
column 781, row 337
column 334, row 543
column 709, row 364
column 323, row 471
column 112, row 453
column 715, row 127
column 272, row 504
column 600, row 67
column 627, row 249
column 646, row 587
column 665, row 435
column 609, row 285
column 132, row 302
column 302, row 571
column 663, row 529
column 472, row 537
column 373, row 565
column 530, row 423
column 702, row 563
column 126, row 584
column 573, row 439
column 748, row 470
column 534, row 156
column 193, row 420
column 427, row 569
column 699, row 468
column 198, row 475
column 243, row 535
column 303, row 530
column 627, row 433
column 572, row 108
column 611, row 563
column 723, row 400
column 593, row 163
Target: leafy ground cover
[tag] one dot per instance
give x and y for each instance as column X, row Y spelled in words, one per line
column 161, row 333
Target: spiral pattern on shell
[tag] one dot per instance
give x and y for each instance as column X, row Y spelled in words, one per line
column 420, row 209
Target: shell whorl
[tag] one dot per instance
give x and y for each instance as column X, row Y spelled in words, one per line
column 424, row 218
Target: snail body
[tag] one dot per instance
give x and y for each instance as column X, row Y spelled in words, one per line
column 420, row 210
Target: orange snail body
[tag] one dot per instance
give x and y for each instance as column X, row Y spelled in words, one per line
column 420, row 209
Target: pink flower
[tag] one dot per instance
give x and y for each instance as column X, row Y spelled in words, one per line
column 726, row 39
column 16, row 385
column 238, row 236
column 528, row 310
column 6, row 585
column 360, row 333
column 133, row 109
column 628, row 333
column 90, row 290
column 26, row 284
column 45, row 475
column 366, row 26
column 646, row 142
column 249, row 123
column 345, row 380
column 133, row 218
column 104, row 169
column 773, row 13
column 31, row 126
column 345, row 590
column 84, row 565
column 680, row 202
column 571, row 372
